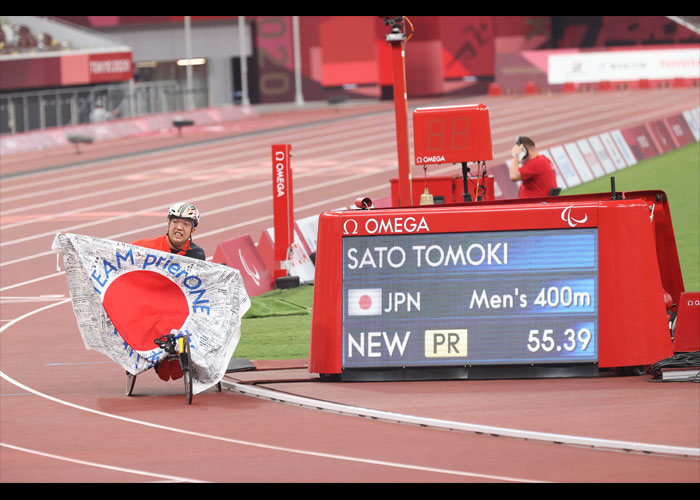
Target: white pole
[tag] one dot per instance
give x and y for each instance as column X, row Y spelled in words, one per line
column 242, row 48
column 188, row 55
column 132, row 97
column 297, row 61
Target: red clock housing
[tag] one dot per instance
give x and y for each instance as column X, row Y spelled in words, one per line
column 452, row 134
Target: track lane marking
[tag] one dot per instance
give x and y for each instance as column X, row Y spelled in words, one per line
column 100, row 466
column 324, row 143
column 297, row 451
column 254, row 444
column 595, row 443
column 261, row 184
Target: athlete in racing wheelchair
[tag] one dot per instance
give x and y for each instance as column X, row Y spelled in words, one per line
column 183, row 219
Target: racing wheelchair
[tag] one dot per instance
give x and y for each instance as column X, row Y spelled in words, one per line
column 176, row 346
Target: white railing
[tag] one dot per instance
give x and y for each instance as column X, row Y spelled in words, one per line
column 41, row 109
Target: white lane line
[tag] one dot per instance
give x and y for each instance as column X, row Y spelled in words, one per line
column 345, row 196
column 235, row 159
column 297, row 451
column 262, row 199
column 596, row 443
column 216, row 194
column 101, row 466
column 138, row 160
column 25, row 299
column 237, row 156
column 29, row 282
column 247, row 187
column 253, row 444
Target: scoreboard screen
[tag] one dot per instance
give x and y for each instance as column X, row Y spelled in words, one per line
column 524, row 297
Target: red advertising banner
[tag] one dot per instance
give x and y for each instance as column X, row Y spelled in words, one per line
column 65, row 70
column 109, row 67
column 660, row 134
column 681, row 132
column 640, row 142
column 29, row 73
column 282, row 202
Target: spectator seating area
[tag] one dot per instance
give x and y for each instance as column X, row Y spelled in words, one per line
column 15, row 39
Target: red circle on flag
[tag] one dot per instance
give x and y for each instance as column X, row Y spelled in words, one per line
column 145, row 305
column 365, row 302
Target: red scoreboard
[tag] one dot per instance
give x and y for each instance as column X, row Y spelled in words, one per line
column 452, row 134
column 558, row 286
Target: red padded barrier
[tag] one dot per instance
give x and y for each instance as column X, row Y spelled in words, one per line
column 241, row 253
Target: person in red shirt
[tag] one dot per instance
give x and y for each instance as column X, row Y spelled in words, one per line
column 534, row 170
column 183, row 219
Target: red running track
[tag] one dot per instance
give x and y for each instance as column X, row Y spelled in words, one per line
column 63, row 413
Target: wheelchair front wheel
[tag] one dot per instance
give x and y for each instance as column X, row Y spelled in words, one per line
column 130, row 381
column 186, row 364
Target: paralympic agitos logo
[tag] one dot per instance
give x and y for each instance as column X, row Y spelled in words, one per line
column 569, row 219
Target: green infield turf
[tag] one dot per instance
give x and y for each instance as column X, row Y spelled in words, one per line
column 278, row 325
column 677, row 173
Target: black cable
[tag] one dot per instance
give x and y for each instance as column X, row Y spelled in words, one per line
column 689, row 360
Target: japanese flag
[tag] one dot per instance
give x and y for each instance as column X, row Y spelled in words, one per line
column 365, row 302
column 124, row 298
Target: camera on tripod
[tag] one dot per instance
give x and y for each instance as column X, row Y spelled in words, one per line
column 398, row 28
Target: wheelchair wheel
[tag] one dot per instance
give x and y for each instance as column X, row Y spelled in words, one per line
column 185, row 363
column 130, row 381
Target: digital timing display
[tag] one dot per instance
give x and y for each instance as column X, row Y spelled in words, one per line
column 452, row 134
column 481, row 298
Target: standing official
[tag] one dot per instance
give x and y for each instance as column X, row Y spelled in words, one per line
column 534, row 170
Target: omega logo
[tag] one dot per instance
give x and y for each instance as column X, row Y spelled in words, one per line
column 279, row 173
column 386, row 225
column 350, row 226
column 422, row 160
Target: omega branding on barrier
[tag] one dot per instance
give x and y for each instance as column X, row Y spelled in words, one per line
column 386, row 225
column 280, row 172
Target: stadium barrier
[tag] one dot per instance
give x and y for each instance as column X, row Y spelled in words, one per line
column 241, row 253
column 601, row 154
column 122, row 128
